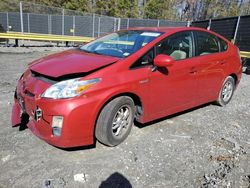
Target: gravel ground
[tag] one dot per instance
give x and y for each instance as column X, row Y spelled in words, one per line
column 207, row 146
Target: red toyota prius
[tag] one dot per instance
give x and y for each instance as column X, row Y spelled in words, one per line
column 140, row 74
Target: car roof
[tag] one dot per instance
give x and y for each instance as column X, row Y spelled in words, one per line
column 177, row 29
column 167, row 29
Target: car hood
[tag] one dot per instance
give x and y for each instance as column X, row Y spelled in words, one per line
column 70, row 62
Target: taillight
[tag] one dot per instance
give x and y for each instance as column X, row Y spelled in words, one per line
column 238, row 52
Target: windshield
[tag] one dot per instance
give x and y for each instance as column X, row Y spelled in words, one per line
column 121, row 44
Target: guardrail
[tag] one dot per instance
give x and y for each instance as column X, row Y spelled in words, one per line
column 245, row 54
column 43, row 37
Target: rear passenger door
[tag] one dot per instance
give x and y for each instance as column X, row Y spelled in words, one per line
column 210, row 51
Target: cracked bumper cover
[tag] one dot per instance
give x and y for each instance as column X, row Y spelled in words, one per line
column 78, row 124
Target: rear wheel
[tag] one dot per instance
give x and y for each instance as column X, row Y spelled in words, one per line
column 115, row 121
column 247, row 71
column 226, row 91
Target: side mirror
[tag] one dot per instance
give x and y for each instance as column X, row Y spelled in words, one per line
column 162, row 60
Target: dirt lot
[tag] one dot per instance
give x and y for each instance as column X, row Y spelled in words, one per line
column 208, row 146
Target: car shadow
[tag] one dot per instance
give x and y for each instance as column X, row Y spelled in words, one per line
column 78, row 148
column 116, row 180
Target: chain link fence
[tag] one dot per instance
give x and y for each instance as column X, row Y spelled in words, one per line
column 34, row 18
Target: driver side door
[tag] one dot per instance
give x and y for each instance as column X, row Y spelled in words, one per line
column 173, row 89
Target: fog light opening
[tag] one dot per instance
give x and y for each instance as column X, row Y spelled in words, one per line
column 57, row 123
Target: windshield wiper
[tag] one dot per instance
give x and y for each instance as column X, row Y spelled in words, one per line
column 86, row 51
column 91, row 52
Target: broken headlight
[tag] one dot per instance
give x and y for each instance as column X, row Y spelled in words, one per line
column 69, row 88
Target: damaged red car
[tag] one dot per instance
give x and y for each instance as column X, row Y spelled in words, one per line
column 98, row 90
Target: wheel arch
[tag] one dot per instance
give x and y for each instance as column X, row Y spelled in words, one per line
column 137, row 101
column 234, row 76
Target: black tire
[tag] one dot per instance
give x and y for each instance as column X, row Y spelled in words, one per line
column 229, row 84
column 113, row 115
column 247, row 71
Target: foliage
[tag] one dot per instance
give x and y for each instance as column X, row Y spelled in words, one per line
column 159, row 9
column 81, row 5
column 117, row 8
column 153, row 9
column 107, row 7
column 9, row 6
column 206, row 9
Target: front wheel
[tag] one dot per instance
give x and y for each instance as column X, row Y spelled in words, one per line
column 115, row 121
column 226, row 91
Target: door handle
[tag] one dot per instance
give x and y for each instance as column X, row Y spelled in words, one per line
column 193, row 70
column 144, row 81
column 222, row 62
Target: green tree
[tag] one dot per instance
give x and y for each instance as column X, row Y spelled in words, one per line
column 159, row 9
column 56, row 3
column 127, row 8
column 220, row 8
column 107, row 7
column 153, row 9
column 117, row 8
column 9, row 6
column 81, row 5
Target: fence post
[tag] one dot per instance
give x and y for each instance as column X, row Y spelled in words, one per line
column 119, row 24
column 48, row 24
column 236, row 30
column 114, row 24
column 127, row 23
column 74, row 25
column 21, row 15
column 158, row 23
column 62, row 21
column 7, row 20
column 99, row 25
column 209, row 24
column 93, row 26
column 28, row 20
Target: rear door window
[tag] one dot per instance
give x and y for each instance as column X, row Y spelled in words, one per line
column 206, row 44
column 223, row 45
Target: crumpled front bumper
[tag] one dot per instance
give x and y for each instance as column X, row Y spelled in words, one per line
column 78, row 118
